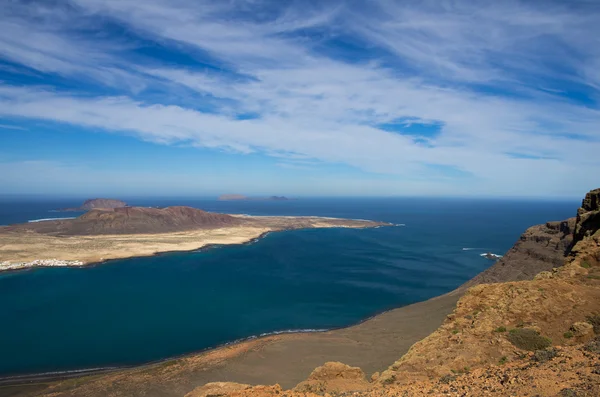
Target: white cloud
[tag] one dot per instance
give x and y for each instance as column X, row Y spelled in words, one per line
column 310, row 105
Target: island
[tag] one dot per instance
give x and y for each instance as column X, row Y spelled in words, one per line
column 241, row 197
column 122, row 232
column 96, row 203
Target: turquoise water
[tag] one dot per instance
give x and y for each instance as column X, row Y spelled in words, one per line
column 137, row 310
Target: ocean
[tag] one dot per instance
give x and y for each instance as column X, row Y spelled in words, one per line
column 133, row 311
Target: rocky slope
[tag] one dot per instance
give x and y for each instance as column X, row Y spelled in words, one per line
column 540, row 248
column 537, row 337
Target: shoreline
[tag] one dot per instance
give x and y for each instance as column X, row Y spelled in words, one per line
column 204, row 247
column 14, row 266
column 82, row 264
column 56, row 376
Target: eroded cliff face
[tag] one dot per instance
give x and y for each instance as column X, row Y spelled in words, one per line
column 540, row 248
column 587, row 226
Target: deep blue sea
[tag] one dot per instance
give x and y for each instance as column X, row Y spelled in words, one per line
column 138, row 310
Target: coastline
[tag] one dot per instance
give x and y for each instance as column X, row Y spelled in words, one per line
column 437, row 307
column 80, row 264
column 251, row 341
column 25, row 250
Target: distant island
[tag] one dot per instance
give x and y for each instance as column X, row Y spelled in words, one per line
column 96, row 203
column 241, row 197
column 123, row 232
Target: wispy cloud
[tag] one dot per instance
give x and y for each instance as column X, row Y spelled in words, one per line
column 12, row 127
column 512, row 85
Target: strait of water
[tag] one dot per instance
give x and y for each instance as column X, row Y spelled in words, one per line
column 137, row 310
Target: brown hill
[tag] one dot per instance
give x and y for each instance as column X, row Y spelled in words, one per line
column 133, row 220
column 97, row 203
column 102, row 203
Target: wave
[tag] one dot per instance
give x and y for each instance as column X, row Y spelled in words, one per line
column 474, row 249
column 294, row 331
column 52, row 373
column 489, row 254
column 50, row 219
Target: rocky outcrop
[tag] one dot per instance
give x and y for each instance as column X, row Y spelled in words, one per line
column 588, row 218
column 334, row 377
column 544, row 247
column 540, row 248
column 216, row 389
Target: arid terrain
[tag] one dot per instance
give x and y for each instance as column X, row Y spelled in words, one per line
column 103, row 234
column 527, row 334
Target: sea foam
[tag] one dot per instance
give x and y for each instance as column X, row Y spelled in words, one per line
column 50, row 219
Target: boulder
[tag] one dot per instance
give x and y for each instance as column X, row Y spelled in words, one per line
column 215, row 389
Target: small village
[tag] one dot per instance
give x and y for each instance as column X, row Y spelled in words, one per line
column 8, row 265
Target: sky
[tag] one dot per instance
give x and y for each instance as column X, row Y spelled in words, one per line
column 300, row 97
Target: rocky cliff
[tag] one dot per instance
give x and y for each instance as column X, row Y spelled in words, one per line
column 544, row 247
column 540, row 248
column 539, row 336
column 588, row 220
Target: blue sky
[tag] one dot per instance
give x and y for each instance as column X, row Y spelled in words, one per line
column 361, row 98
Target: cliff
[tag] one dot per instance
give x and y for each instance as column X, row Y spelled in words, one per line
column 538, row 336
column 540, row 248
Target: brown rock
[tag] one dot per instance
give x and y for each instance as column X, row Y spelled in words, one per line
column 543, row 275
column 581, row 329
column 588, row 217
column 215, row 389
column 334, row 377
column 336, row 370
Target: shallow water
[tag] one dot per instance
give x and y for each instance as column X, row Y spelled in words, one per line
column 137, row 310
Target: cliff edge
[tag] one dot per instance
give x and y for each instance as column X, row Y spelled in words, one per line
column 538, row 335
